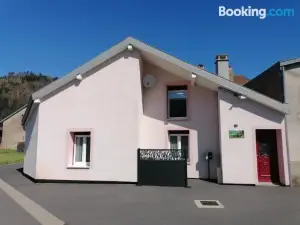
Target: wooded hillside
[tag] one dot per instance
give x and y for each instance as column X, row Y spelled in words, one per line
column 15, row 89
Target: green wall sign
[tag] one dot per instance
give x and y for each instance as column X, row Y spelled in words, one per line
column 236, row 134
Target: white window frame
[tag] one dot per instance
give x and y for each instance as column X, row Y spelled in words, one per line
column 83, row 159
column 168, row 104
column 179, row 142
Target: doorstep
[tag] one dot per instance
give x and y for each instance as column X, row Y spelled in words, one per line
column 270, row 184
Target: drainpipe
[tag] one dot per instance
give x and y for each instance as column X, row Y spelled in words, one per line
column 282, row 69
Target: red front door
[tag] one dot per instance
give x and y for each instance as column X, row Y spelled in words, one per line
column 263, row 162
column 267, row 158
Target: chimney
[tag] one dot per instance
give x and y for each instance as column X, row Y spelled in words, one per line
column 222, row 66
column 201, row 66
column 231, row 74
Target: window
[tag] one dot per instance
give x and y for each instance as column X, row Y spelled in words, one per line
column 81, row 149
column 179, row 140
column 177, row 101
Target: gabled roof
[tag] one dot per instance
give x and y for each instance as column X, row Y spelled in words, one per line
column 12, row 114
column 289, row 62
column 142, row 47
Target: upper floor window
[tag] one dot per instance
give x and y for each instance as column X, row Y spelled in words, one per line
column 177, row 101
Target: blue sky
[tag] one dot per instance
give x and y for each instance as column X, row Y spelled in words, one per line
column 56, row 36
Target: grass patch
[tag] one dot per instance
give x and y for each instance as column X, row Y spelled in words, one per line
column 8, row 156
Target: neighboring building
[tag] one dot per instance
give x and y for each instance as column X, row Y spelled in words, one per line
column 11, row 130
column 238, row 79
column 89, row 124
column 282, row 82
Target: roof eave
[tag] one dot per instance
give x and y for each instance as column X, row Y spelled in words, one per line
column 255, row 96
column 13, row 113
column 289, row 62
column 82, row 69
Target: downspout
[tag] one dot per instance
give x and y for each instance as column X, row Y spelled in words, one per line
column 220, row 160
column 282, row 69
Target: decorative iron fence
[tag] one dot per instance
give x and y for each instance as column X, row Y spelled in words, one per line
column 162, row 167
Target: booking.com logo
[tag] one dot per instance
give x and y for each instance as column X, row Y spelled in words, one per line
column 262, row 13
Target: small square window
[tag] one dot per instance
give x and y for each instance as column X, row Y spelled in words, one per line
column 177, row 102
column 81, row 148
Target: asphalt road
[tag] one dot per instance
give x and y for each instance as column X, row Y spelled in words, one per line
column 12, row 214
column 127, row 204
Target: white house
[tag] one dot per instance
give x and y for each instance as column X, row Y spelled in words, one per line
column 88, row 125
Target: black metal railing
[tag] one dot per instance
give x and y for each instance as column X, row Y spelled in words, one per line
column 162, row 154
column 162, row 167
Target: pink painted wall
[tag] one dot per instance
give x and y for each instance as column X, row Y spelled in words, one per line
column 122, row 116
column 202, row 121
column 108, row 100
column 110, row 103
column 239, row 155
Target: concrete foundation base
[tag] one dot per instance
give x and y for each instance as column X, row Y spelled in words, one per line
column 295, row 172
